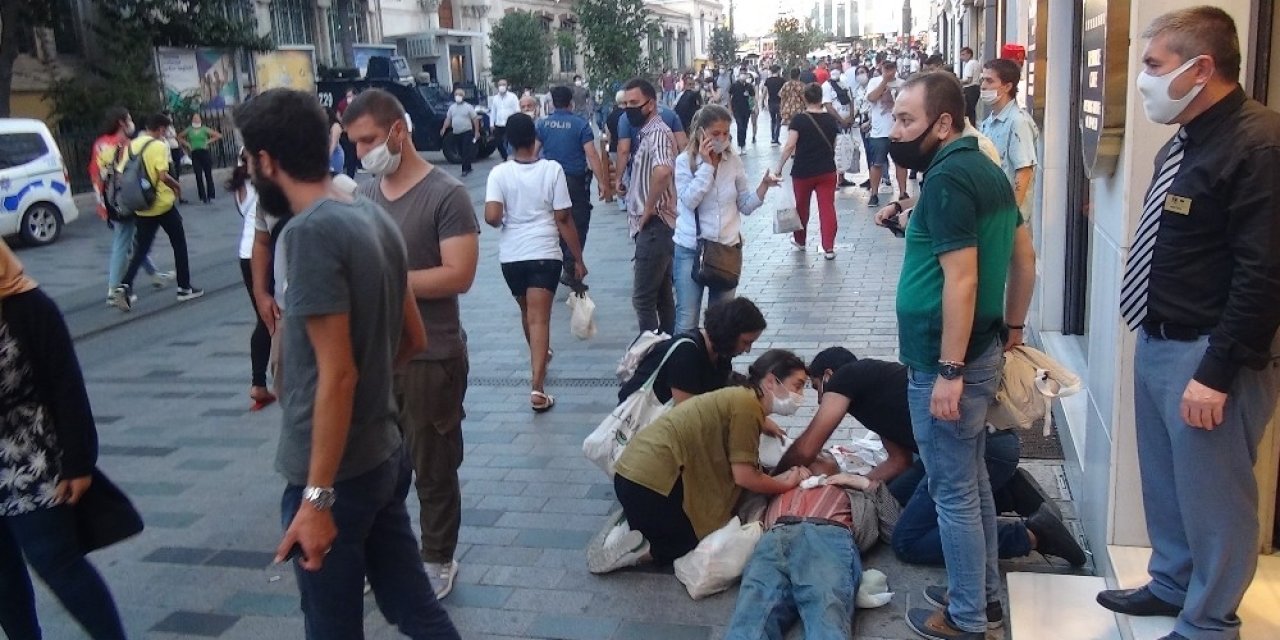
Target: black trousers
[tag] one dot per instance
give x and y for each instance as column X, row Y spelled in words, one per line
column 175, row 163
column 260, row 341
column 743, row 120
column 465, row 145
column 171, row 222
column 971, row 95
column 350, row 163
column 202, row 164
column 580, row 196
column 775, row 120
column 500, row 140
column 660, row 518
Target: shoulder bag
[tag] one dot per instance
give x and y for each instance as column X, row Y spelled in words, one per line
column 718, row 265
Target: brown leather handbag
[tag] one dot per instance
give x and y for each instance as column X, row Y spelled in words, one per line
column 718, row 265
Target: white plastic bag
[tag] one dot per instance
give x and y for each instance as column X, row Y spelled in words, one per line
column 860, row 456
column 719, row 560
column 582, row 319
column 785, row 218
column 844, row 150
column 873, row 590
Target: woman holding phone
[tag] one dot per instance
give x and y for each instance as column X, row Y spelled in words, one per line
column 712, row 195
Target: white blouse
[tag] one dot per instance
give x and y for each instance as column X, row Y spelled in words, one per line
column 719, row 197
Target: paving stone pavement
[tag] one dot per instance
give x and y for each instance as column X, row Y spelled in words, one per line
column 168, row 385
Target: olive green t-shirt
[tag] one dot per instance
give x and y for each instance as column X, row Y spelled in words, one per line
column 698, row 441
column 965, row 201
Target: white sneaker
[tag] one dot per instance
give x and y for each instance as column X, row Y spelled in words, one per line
column 161, row 279
column 796, row 245
column 442, row 576
column 626, row 552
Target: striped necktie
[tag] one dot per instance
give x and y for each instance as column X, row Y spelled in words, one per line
column 1137, row 270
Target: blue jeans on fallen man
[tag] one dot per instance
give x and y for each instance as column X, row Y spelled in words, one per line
column 804, row 570
column 374, row 539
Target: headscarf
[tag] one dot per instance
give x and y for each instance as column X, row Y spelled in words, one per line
column 13, row 280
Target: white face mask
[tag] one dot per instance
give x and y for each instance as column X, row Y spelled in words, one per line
column 577, row 83
column 835, row 75
column 787, row 405
column 380, row 161
column 862, row 79
column 457, row 99
column 1161, row 108
column 502, row 88
column 719, row 145
column 988, row 96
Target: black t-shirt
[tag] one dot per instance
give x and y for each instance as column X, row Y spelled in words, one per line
column 740, row 95
column 877, row 393
column 773, row 85
column 688, row 104
column 689, row 369
column 815, row 151
column 611, row 123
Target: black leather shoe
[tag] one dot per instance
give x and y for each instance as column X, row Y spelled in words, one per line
column 1138, row 602
column 1053, row 538
column 1028, row 495
column 1175, row 636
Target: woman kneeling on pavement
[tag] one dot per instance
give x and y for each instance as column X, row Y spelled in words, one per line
column 679, row 478
column 712, row 196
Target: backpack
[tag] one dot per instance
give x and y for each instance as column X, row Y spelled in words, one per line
column 1031, row 382
column 636, row 352
column 129, row 189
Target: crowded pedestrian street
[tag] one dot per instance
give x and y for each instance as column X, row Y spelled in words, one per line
column 167, row 385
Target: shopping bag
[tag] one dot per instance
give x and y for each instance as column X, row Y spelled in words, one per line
column 582, row 315
column 844, row 150
column 719, row 560
column 785, row 218
column 104, row 515
column 873, row 590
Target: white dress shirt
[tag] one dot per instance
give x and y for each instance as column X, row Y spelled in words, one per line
column 719, row 197
column 503, row 106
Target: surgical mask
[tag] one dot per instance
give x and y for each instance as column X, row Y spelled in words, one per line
column 577, row 83
column 786, row 405
column 457, row 99
column 380, row 161
column 1160, row 107
column 636, row 117
column 835, row 76
column 197, row 124
column 502, row 88
column 862, row 79
column 988, row 96
column 719, row 145
column 911, row 154
column 531, row 113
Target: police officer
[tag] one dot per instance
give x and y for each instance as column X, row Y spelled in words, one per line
column 567, row 139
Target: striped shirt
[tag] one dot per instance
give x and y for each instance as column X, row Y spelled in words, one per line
column 657, row 148
column 828, row 502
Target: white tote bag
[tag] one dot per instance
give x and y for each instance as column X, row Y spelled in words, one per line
column 582, row 318
column 719, row 560
column 605, row 445
column 785, row 218
column 844, row 150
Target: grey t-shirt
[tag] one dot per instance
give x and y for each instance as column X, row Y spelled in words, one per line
column 460, row 116
column 343, row 258
column 434, row 210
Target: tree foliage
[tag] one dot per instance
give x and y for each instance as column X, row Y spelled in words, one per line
column 520, row 50
column 612, row 35
column 795, row 40
column 723, row 47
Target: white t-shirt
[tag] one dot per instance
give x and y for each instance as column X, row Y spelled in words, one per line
column 971, row 73
column 248, row 209
column 265, row 222
column 530, row 195
column 882, row 109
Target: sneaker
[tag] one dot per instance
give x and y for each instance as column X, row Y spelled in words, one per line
column 775, row 143
column 866, row 184
column 627, row 551
column 122, row 298
column 935, row 624
column 161, row 279
column 189, row 294
column 111, row 302
column 874, row 200
column 1053, row 538
column 936, row 595
column 442, row 575
column 796, row 245
column 830, row 255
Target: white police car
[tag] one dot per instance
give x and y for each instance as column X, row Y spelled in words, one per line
column 35, row 189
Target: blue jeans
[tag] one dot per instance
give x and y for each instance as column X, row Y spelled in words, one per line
column 47, row 537
column 122, row 247
column 374, row 539
column 1198, row 487
column 689, row 293
column 917, row 539
column 810, row 571
column 953, row 453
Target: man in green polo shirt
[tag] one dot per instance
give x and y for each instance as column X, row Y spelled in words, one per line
column 965, row 242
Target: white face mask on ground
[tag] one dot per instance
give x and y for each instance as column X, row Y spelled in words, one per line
column 1162, row 108
column 380, row 161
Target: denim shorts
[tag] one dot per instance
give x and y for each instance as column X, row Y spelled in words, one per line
column 878, row 152
column 531, row 274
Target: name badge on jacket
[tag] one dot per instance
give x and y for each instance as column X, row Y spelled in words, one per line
column 1177, row 204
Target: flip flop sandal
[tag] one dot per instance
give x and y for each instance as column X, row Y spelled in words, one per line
column 548, row 401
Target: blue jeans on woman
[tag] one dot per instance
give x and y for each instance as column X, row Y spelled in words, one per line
column 917, row 538
column 953, row 453
column 122, row 246
column 689, row 293
column 805, row 570
column 47, row 538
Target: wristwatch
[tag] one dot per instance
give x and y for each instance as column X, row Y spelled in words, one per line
column 322, row 498
column 950, row 370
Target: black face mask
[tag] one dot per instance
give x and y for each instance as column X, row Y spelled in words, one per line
column 912, row 154
column 636, row 116
column 271, row 198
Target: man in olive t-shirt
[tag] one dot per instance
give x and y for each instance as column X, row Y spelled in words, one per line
column 964, row 240
column 441, row 235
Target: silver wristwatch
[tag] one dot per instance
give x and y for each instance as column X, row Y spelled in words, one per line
column 322, row 498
